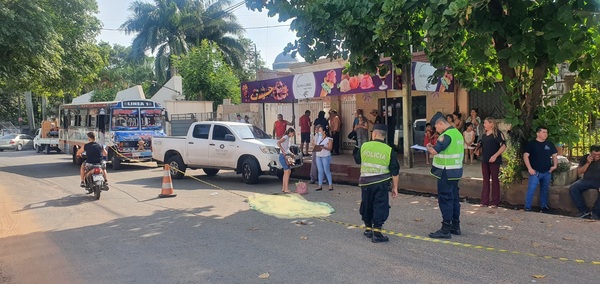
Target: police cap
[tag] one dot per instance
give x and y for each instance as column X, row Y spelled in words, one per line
column 380, row 127
column 436, row 117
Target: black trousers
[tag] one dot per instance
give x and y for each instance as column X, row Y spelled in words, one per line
column 448, row 198
column 375, row 205
column 336, row 142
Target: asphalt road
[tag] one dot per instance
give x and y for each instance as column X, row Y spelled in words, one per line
column 52, row 232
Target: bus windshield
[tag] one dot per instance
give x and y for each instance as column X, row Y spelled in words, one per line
column 151, row 119
column 125, row 119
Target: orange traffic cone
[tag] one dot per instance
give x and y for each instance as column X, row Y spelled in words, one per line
column 167, row 184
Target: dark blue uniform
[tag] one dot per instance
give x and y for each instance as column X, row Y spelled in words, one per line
column 374, row 206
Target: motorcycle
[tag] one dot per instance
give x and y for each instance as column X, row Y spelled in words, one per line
column 94, row 180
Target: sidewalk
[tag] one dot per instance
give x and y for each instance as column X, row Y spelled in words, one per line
column 418, row 179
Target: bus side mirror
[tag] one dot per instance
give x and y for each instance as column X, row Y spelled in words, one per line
column 165, row 114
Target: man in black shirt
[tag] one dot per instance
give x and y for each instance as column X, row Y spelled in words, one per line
column 541, row 160
column 589, row 167
column 94, row 153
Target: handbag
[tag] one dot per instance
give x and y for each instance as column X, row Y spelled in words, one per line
column 301, row 188
column 352, row 135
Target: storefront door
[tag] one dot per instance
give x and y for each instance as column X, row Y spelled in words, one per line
column 395, row 119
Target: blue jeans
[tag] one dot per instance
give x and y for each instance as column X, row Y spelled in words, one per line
column 543, row 179
column 323, row 166
column 578, row 188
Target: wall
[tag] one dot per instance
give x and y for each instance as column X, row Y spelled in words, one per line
column 183, row 107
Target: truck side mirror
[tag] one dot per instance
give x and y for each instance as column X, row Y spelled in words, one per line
column 229, row 137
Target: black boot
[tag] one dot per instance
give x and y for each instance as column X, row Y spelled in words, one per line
column 443, row 233
column 378, row 237
column 455, row 228
column 368, row 233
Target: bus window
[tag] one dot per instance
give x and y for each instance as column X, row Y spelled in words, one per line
column 125, row 119
column 151, row 119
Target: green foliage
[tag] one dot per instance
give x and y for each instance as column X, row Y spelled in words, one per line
column 206, row 76
column 121, row 71
column 571, row 116
column 515, row 41
column 511, row 172
column 48, row 46
column 169, row 27
column 105, row 95
column 252, row 63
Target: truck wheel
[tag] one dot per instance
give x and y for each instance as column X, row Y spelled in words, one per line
column 210, row 172
column 177, row 166
column 47, row 148
column 280, row 174
column 115, row 161
column 36, row 148
column 250, row 171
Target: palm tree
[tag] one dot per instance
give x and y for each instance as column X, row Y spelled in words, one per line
column 168, row 27
column 219, row 25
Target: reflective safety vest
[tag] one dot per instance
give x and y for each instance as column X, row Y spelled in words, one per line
column 375, row 163
column 451, row 158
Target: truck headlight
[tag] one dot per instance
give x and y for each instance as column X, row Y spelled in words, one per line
column 269, row 150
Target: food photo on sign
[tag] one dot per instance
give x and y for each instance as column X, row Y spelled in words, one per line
column 273, row 90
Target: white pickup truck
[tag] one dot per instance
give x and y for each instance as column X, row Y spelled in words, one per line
column 45, row 142
column 218, row 145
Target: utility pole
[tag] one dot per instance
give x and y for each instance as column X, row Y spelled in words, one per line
column 19, row 118
column 29, row 109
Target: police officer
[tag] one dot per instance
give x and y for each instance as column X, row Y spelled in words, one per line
column 447, row 168
column 379, row 164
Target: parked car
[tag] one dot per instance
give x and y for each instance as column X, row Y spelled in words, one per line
column 220, row 145
column 16, row 142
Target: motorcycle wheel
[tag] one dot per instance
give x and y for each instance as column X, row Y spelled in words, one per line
column 97, row 192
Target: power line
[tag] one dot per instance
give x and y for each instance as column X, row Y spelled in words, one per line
column 242, row 28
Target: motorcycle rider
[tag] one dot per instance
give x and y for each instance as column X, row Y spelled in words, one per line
column 94, row 153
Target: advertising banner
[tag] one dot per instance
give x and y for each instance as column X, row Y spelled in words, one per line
column 333, row 82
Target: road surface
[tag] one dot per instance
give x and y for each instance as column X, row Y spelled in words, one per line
column 52, row 232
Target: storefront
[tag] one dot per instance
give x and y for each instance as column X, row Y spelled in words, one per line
column 324, row 86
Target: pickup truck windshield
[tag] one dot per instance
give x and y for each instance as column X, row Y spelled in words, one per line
column 250, row 132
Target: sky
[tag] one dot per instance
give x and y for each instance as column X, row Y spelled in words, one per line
column 267, row 33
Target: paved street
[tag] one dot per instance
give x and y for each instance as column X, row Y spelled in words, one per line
column 52, row 232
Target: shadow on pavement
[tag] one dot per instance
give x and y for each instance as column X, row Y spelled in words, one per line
column 69, row 200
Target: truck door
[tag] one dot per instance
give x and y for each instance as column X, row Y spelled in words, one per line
column 222, row 147
column 197, row 145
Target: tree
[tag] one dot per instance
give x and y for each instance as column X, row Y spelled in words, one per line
column 48, row 46
column 218, row 24
column 169, row 27
column 518, row 42
column 121, row 71
column 252, row 63
column 206, row 76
